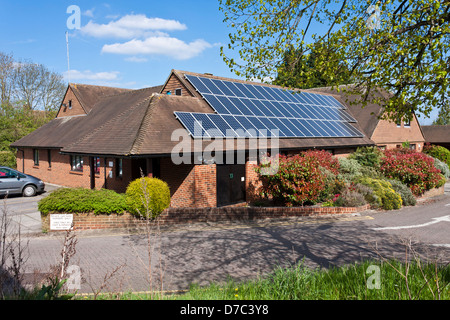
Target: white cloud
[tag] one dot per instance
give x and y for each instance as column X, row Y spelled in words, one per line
column 89, row 75
column 136, row 59
column 89, row 13
column 167, row 46
column 131, row 26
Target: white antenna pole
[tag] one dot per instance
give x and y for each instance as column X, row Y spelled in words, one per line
column 68, row 60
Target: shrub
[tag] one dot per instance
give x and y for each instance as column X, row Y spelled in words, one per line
column 147, row 197
column 323, row 159
column 349, row 166
column 8, row 159
column 443, row 167
column 79, row 200
column 438, row 152
column 386, row 197
column 367, row 156
column 405, row 193
column 334, row 184
column 350, row 197
column 414, row 169
column 298, row 180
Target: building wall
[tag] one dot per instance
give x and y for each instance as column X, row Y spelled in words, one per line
column 60, row 172
column 76, row 109
column 388, row 135
column 172, row 84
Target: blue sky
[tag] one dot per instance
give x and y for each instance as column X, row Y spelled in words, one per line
column 129, row 44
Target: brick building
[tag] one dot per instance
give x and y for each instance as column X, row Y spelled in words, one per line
column 438, row 135
column 106, row 137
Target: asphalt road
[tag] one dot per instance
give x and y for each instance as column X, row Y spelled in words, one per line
column 213, row 252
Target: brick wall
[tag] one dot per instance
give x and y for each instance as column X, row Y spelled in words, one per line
column 389, row 135
column 172, row 84
column 76, row 109
column 205, row 187
column 60, row 172
column 174, row 216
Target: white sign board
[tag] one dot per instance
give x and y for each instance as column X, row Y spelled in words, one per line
column 61, row 221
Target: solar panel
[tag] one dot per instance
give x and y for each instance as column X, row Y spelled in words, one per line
column 250, row 110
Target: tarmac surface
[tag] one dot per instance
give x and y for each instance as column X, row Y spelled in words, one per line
column 118, row 261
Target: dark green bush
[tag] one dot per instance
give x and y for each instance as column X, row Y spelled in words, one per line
column 8, row 159
column 147, row 197
column 79, row 200
column 367, row 156
column 438, row 152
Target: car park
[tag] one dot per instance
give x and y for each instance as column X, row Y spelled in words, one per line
column 15, row 182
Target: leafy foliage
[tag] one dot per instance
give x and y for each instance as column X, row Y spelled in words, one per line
column 405, row 193
column 414, row 169
column 400, row 47
column 438, row 152
column 367, row 156
column 79, row 200
column 147, row 197
column 298, row 180
column 386, row 198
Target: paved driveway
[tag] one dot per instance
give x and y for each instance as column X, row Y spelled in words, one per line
column 24, row 212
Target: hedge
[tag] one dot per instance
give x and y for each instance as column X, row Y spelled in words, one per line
column 79, row 200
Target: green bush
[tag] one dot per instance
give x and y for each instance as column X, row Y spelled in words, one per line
column 367, row 156
column 8, row 159
column 147, row 197
column 387, row 198
column 402, row 189
column 349, row 166
column 79, row 200
column 443, row 167
column 438, row 152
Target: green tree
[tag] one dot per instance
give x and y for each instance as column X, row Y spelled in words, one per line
column 443, row 117
column 400, row 47
column 300, row 71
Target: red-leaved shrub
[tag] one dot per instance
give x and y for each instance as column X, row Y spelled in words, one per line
column 299, row 179
column 323, row 159
column 414, row 169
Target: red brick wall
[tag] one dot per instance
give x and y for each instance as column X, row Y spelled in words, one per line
column 205, row 189
column 60, row 172
column 174, row 216
column 77, row 109
column 172, row 84
column 180, row 179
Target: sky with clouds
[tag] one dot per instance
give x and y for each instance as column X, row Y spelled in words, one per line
column 128, row 44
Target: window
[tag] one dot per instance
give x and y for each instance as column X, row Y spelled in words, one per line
column 119, row 165
column 77, row 163
column 407, row 123
column 5, row 173
column 70, row 104
column 178, row 92
column 96, row 165
column 36, row 157
column 49, row 156
column 412, row 146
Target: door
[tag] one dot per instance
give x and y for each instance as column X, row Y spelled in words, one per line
column 230, row 184
column 138, row 167
column 10, row 181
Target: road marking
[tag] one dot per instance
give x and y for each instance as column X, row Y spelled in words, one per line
column 442, row 245
column 435, row 220
column 447, row 205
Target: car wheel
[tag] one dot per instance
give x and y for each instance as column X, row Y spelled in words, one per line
column 29, row 191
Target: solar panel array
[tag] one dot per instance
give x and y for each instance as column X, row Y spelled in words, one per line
column 246, row 110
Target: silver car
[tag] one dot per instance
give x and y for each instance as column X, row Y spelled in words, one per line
column 15, row 182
